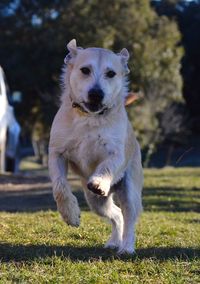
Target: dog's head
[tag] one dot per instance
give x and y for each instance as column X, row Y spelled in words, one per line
column 97, row 76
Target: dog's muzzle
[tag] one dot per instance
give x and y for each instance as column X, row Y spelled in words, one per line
column 95, row 99
column 94, row 104
column 95, row 96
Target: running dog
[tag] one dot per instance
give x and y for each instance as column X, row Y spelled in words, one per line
column 91, row 133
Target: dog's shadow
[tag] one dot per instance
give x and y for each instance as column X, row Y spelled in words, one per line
column 10, row 252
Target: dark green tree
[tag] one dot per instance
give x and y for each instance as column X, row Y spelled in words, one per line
column 187, row 15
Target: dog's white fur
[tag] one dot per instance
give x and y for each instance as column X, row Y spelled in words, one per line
column 102, row 149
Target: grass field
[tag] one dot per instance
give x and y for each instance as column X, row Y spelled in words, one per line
column 37, row 247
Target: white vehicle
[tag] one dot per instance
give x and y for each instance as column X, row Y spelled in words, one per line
column 9, row 131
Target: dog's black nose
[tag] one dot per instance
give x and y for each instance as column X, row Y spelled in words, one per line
column 95, row 95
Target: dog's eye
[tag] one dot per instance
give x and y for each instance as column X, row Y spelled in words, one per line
column 85, row 70
column 110, row 74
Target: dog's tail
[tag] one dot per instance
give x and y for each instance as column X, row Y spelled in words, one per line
column 132, row 97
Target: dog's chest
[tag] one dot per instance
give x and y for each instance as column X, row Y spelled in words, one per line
column 85, row 150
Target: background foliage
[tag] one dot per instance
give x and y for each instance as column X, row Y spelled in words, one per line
column 33, row 44
column 187, row 16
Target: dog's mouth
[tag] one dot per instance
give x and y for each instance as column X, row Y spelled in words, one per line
column 94, row 107
column 90, row 108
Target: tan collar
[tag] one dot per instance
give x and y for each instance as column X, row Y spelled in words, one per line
column 81, row 111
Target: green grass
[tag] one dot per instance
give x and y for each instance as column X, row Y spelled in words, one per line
column 39, row 248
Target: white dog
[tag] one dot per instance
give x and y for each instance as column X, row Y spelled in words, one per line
column 92, row 133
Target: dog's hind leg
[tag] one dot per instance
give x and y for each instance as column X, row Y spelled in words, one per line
column 129, row 197
column 67, row 203
column 114, row 215
column 105, row 207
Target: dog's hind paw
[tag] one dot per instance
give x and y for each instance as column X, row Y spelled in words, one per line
column 99, row 185
column 112, row 244
column 126, row 250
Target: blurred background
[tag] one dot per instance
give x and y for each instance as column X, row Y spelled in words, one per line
column 164, row 43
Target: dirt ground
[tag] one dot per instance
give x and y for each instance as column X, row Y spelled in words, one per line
column 31, row 190
column 25, row 194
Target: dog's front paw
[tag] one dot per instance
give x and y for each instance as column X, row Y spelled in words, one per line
column 99, row 185
column 67, row 203
column 70, row 210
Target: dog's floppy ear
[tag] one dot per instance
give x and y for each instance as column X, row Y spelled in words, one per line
column 73, row 49
column 124, row 54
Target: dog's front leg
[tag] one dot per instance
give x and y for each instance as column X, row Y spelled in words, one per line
column 67, row 203
column 108, row 172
